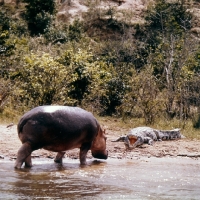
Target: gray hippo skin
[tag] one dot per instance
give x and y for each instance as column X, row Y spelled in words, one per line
column 58, row 129
column 140, row 135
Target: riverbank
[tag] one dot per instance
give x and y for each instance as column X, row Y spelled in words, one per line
column 10, row 143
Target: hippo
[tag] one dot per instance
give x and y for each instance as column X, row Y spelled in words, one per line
column 58, row 129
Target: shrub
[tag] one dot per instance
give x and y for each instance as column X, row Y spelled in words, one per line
column 39, row 15
column 41, row 80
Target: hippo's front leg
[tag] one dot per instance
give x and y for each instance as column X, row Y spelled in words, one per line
column 59, row 156
column 83, row 153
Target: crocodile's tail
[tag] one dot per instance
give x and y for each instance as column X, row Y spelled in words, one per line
column 182, row 136
column 170, row 134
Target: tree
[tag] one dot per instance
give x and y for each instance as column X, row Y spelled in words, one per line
column 39, row 15
column 189, row 90
column 165, row 19
column 169, row 45
column 87, row 76
column 6, row 46
column 143, row 98
column 118, row 56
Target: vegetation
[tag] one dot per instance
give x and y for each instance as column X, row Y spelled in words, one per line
column 39, row 15
column 147, row 70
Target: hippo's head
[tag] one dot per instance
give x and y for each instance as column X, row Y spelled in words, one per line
column 98, row 148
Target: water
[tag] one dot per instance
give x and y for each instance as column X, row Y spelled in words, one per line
column 151, row 178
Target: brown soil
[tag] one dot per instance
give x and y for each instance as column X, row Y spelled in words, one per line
column 10, row 143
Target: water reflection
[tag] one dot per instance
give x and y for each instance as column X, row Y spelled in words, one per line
column 113, row 179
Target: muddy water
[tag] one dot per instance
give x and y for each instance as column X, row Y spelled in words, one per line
column 150, row 178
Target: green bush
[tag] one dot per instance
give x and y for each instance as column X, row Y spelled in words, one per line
column 196, row 121
column 39, row 15
column 86, row 73
column 42, row 80
column 56, row 34
column 75, row 30
column 5, row 90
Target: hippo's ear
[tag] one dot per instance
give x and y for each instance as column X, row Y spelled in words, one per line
column 101, row 131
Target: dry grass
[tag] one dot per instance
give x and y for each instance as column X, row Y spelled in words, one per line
column 8, row 116
column 122, row 127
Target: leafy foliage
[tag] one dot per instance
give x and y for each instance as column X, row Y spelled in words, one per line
column 6, row 46
column 169, row 47
column 5, row 89
column 166, row 19
column 88, row 77
column 56, row 34
column 148, row 70
column 39, row 15
column 41, row 80
column 75, row 31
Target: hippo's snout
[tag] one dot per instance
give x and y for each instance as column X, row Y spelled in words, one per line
column 100, row 155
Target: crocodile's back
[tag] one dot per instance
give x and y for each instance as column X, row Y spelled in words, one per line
column 144, row 132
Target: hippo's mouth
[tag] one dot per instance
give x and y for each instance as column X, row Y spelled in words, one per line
column 100, row 155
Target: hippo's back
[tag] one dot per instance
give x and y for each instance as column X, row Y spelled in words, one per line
column 54, row 114
column 45, row 124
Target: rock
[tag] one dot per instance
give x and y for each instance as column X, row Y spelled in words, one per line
column 10, row 125
column 196, row 30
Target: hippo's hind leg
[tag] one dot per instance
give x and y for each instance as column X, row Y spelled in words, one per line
column 24, row 155
column 59, row 156
column 28, row 161
column 83, row 153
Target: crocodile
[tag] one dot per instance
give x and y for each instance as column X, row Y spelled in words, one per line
column 140, row 135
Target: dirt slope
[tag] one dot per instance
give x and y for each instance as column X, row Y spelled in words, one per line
column 72, row 9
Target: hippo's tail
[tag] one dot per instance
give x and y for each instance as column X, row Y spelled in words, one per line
column 20, row 125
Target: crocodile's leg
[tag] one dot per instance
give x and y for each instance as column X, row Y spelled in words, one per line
column 120, row 139
column 148, row 140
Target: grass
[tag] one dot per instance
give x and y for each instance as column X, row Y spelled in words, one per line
column 8, row 116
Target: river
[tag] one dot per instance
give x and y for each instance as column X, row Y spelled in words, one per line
column 145, row 178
